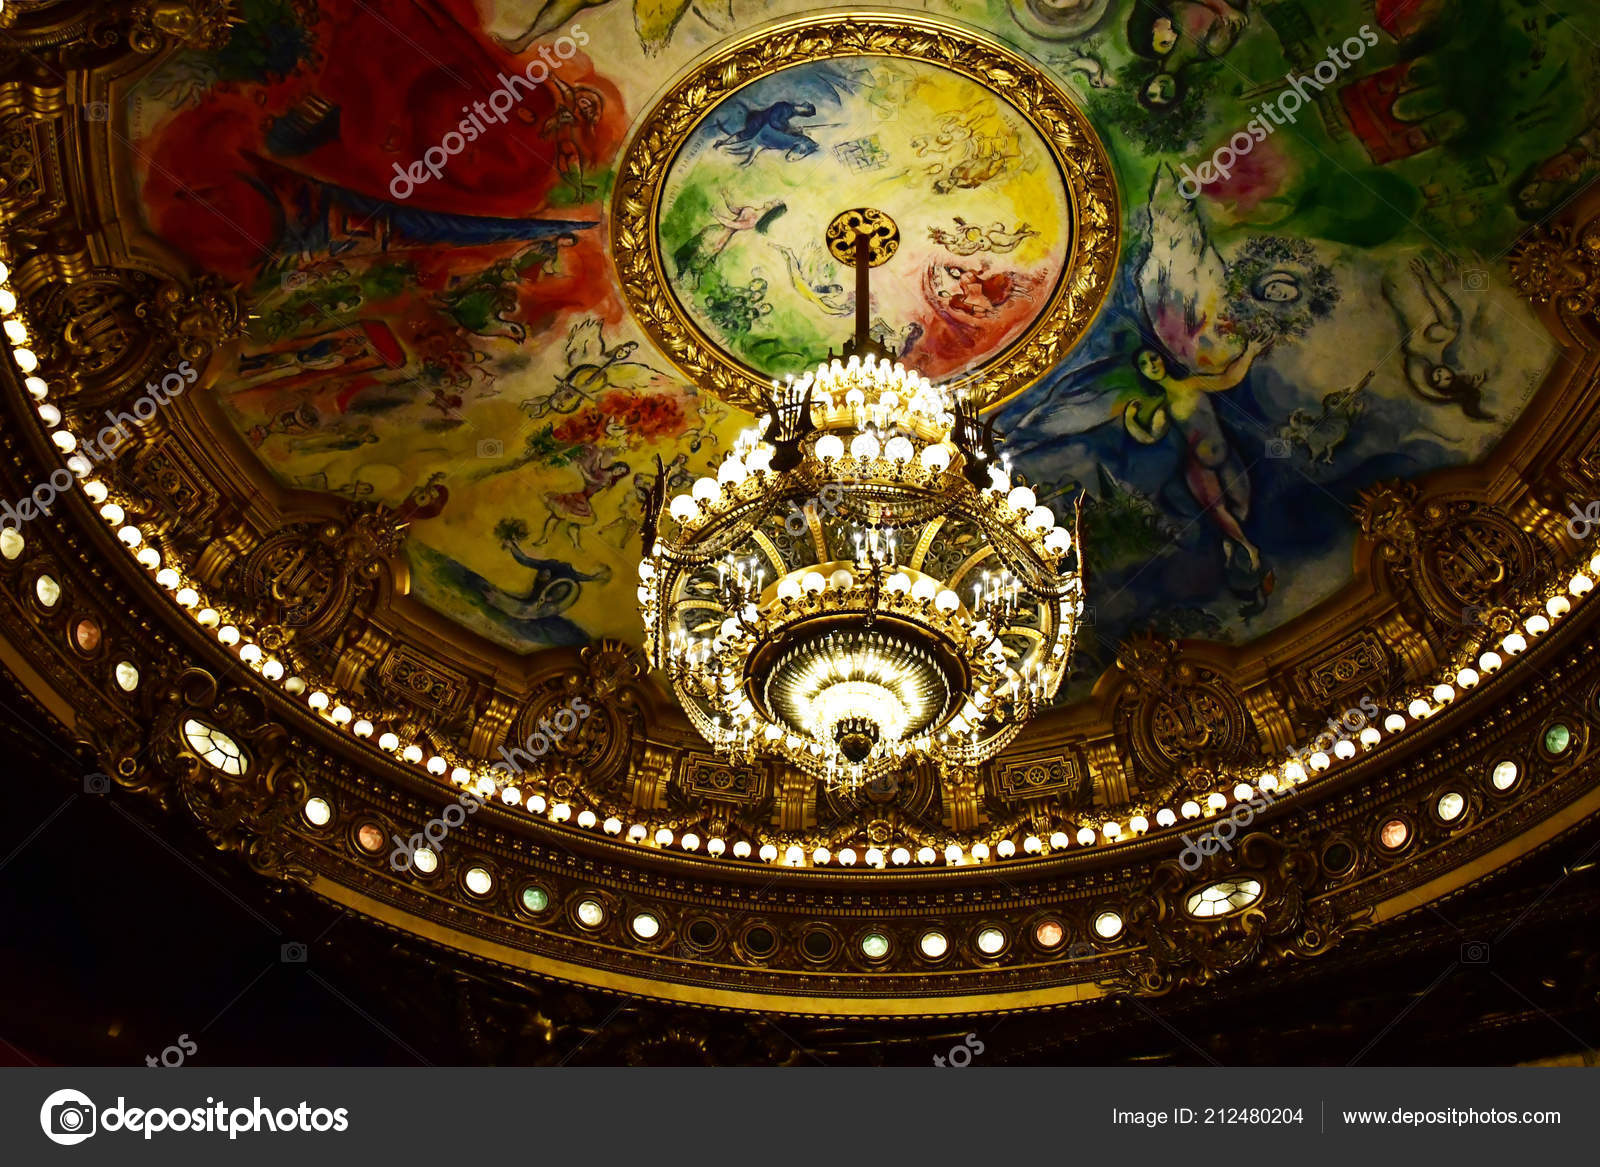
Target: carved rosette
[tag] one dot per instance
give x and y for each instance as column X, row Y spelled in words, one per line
column 19, row 182
column 197, row 318
column 580, row 726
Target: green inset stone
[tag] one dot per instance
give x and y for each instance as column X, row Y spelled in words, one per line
column 1557, row 738
column 874, row 945
column 535, row 899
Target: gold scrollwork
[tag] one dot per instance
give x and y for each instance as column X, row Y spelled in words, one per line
column 1561, row 264
column 193, row 24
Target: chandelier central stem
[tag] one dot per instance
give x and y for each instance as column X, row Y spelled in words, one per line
column 923, row 602
column 863, row 239
column 863, row 336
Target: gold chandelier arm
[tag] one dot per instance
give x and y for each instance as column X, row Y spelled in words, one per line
column 727, row 533
column 1023, row 565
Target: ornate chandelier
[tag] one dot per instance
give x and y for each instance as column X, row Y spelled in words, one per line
column 863, row 585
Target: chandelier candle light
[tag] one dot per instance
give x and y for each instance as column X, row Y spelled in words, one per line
column 923, row 611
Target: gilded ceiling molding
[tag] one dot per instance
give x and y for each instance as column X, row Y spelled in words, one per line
column 1046, row 918
column 150, row 26
column 1559, row 264
column 191, row 24
column 48, row 23
column 1156, row 941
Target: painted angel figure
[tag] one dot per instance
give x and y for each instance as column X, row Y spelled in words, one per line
column 1164, row 378
column 1432, row 341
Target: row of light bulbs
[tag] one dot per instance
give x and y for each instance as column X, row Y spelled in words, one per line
column 1291, row 774
column 751, row 456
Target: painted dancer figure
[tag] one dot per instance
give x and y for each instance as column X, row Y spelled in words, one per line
column 1213, row 472
column 1432, row 347
column 702, row 250
column 574, row 509
column 537, row 609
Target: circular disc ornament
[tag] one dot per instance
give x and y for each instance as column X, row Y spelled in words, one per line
column 847, row 228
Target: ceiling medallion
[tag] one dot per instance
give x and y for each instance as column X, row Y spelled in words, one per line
column 1004, row 195
column 793, row 599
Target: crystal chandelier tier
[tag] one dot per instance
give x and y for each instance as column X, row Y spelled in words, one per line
column 863, row 584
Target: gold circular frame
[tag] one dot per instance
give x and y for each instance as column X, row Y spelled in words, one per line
column 1076, row 149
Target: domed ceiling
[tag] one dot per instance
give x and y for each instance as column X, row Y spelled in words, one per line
column 436, row 325
column 1297, row 303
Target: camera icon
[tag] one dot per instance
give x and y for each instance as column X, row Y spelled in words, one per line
column 491, row 448
column 96, row 111
column 1473, row 616
column 96, row 784
column 293, row 953
column 72, row 1118
column 1475, row 279
column 1080, row 950
column 1475, row 952
column 293, row 281
column 1086, row 617
column 1277, row 448
column 68, row 1117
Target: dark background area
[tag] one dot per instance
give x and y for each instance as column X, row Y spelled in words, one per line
column 123, row 935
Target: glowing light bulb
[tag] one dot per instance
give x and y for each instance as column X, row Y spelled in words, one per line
column 864, row 446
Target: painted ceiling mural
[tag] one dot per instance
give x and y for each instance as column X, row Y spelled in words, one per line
column 1317, row 199
column 964, row 177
